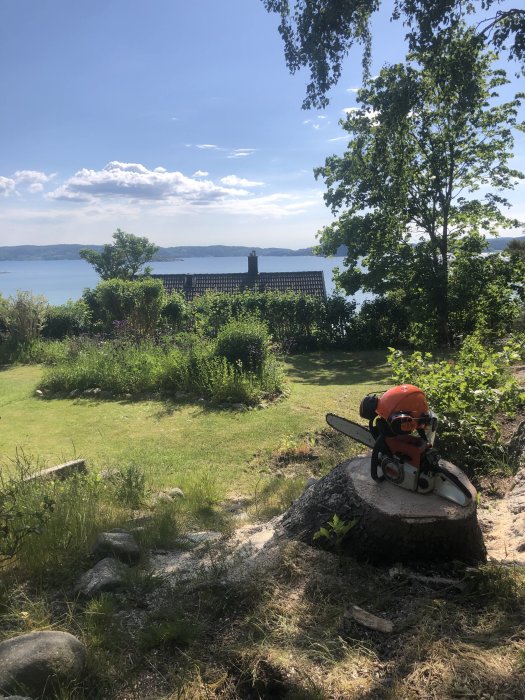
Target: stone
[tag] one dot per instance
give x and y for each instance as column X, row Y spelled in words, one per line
column 117, row 543
column 239, row 407
column 175, row 492
column 311, row 481
column 203, row 537
column 61, row 471
column 73, row 394
column 106, row 576
column 37, row 662
column 39, row 393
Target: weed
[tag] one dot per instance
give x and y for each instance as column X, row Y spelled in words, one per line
column 335, row 531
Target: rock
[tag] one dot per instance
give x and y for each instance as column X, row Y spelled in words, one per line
column 107, row 474
column 239, row 407
column 117, row 543
column 39, row 393
column 37, row 662
column 163, row 497
column 73, row 394
column 106, row 576
column 203, row 536
column 175, row 492
column 311, row 481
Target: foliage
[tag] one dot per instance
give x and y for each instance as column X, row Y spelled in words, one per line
column 335, row 530
column 83, row 507
column 245, row 343
column 129, row 485
column 24, row 316
column 25, row 507
column 122, row 259
column 126, row 365
column 294, row 320
column 175, row 311
column 138, row 303
column 319, row 34
column 469, row 392
column 71, row 318
column 426, row 134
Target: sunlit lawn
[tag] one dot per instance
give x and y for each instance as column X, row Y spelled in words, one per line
column 172, row 441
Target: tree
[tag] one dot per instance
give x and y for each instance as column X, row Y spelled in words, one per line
column 426, row 135
column 318, row 34
column 123, row 259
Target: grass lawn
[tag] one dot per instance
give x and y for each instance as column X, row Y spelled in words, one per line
column 175, row 442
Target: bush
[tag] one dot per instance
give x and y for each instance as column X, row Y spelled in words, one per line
column 25, row 507
column 175, row 311
column 25, row 316
column 244, row 343
column 72, row 318
column 470, row 393
column 123, row 366
column 139, row 303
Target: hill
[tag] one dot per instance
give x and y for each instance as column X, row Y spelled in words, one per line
column 70, row 251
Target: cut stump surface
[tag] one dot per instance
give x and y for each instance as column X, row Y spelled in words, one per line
column 391, row 523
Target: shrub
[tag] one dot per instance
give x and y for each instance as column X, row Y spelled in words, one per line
column 25, row 507
column 175, row 311
column 138, row 302
column 244, row 343
column 72, row 318
column 25, row 316
column 469, row 392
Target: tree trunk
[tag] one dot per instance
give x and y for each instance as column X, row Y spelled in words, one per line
column 391, row 523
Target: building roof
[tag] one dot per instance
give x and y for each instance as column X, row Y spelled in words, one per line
column 309, row 282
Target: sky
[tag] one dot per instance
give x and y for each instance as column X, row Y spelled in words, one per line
column 169, row 119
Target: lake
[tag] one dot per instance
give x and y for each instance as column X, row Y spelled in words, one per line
column 60, row 280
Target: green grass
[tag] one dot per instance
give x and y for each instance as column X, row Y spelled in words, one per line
column 177, row 442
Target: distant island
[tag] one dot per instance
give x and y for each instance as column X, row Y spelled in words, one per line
column 70, row 251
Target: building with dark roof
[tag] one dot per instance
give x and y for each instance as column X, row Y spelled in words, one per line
column 310, row 283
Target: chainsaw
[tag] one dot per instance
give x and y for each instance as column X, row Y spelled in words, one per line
column 401, row 433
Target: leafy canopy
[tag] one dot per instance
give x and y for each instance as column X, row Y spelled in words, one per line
column 318, row 34
column 426, row 143
column 122, row 259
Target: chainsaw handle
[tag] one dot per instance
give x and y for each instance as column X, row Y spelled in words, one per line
column 374, row 462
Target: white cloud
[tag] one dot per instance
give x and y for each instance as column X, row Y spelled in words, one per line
column 354, row 90
column 316, row 126
column 200, row 173
column 234, row 181
column 207, row 146
column 133, row 181
column 7, row 185
column 32, row 177
column 338, row 138
column 241, row 152
column 275, row 206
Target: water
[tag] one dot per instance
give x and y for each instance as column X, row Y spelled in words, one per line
column 60, row 280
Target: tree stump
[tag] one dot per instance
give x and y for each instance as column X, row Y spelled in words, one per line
column 391, row 523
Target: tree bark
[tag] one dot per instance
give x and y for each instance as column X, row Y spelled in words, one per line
column 391, row 523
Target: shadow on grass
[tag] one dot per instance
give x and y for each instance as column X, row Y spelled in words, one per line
column 338, row 367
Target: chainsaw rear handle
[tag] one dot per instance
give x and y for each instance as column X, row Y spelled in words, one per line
column 379, row 446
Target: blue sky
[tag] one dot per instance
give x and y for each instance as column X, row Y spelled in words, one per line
column 171, row 119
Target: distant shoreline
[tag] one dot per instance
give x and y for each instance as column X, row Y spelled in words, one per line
column 70, row 251
column 65, row 251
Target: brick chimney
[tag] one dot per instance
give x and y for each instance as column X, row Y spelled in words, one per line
column 253, row 264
